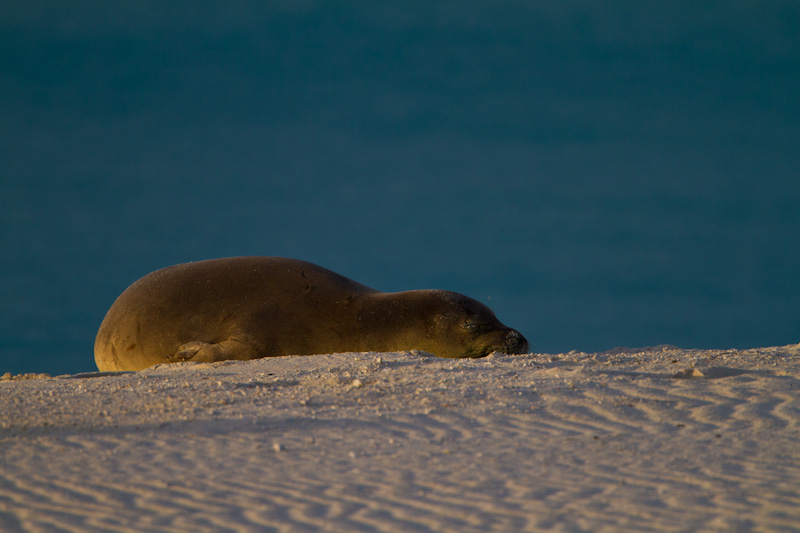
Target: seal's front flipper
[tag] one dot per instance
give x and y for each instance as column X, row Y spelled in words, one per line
column 187, row 351
column 206, row 352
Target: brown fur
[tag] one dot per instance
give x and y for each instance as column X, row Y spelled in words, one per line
column 253, row 307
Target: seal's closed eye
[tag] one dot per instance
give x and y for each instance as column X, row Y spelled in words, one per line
column 476, row 325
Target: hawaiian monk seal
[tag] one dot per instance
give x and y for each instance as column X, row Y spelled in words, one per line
column 253, row 307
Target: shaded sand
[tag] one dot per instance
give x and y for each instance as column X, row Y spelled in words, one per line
column 660, row 439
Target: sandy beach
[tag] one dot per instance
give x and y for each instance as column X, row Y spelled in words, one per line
column 656, row 439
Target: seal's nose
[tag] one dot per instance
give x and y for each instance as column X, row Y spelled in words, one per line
column 516, row 343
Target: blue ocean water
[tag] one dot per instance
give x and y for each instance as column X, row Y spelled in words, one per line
column 601, row 174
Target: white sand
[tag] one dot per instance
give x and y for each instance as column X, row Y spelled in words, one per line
column 408, row 442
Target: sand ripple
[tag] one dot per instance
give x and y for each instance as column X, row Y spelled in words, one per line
column 402, row 442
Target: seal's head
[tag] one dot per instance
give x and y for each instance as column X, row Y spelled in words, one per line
column 468, row 328
column 445, row 323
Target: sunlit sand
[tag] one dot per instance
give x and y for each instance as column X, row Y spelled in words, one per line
column 658, row 439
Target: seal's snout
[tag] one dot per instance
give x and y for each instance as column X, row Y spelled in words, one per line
column 515, row 343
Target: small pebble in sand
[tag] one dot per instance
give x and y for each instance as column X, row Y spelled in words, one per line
column 689, row 373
